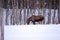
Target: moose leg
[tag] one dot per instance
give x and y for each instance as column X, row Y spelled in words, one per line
column 33, row 22
column 28, row 22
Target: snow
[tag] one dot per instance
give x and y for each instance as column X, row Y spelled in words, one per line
column 32, row 32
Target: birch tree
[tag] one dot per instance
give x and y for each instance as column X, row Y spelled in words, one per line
column 1, row 24
column 59, row 13
column 54, row 11
column 49, row 14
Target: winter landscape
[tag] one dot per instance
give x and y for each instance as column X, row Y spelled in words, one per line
column 15, row 22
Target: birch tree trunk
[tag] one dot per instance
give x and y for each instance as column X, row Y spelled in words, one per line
column 12, row 16
column 7, row 13
column 43, row 11
column 1, row 4
column 54, row 11
column 59, row 13
column 25, row 6
column 20, row 14
column 1, row 25
column 49, row 14
column 27, row 13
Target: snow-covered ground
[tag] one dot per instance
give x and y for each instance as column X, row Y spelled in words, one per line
column 32, row 32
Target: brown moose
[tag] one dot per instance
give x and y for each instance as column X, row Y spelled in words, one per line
column 34, row 19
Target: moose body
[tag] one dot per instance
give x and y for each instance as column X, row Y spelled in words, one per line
column 34, row 19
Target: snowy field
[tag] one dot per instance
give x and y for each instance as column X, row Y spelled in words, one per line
column 32, row 32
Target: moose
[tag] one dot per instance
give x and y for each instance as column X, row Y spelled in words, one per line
column 35, row 18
